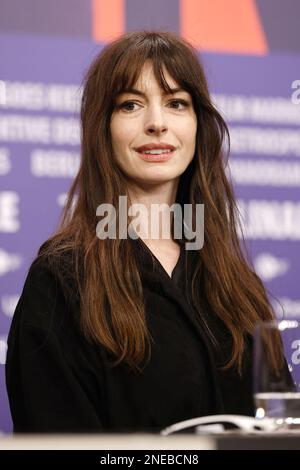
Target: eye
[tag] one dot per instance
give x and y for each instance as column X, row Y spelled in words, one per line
column 128, row 106
column 178, row 104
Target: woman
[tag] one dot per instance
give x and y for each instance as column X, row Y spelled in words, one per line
column 135, row 333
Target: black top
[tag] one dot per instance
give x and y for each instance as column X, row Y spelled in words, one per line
column 59, row 382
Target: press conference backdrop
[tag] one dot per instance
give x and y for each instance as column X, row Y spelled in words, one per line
column 251, row 52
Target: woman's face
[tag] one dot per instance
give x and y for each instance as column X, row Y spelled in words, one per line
column 153, row 134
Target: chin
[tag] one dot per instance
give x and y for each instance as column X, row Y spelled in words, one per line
column 156, row 179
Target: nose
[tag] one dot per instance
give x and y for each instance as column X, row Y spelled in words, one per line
column 155, row 122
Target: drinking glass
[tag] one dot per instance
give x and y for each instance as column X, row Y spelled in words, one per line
column 277, row 391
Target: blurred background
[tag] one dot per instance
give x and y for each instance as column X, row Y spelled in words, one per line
column 251, row 53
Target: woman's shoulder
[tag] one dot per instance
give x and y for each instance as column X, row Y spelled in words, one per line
column 51, row 280
column 56, row 267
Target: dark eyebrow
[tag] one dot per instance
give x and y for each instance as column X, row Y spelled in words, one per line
column 134, row 91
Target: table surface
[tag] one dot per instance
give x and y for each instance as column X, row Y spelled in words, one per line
column 135, row 441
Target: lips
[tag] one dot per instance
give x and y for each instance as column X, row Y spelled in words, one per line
column 167, row 151
column 155, row 146
column 148, row 157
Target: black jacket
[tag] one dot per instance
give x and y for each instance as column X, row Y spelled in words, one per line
column 59, row 382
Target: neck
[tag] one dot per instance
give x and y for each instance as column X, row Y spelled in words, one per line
column 151, row 198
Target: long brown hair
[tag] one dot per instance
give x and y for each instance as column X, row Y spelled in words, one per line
column 106, row 271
